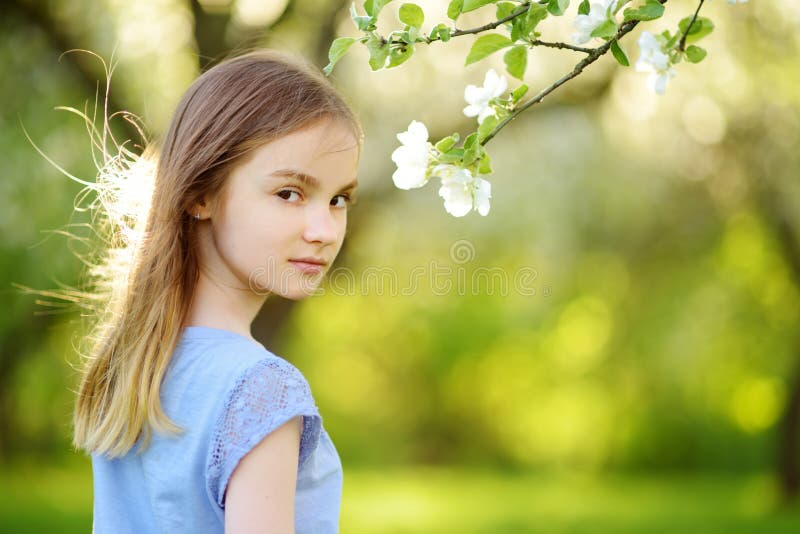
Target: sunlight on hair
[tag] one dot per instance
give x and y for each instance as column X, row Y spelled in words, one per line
column 124, row 189
column 118, row 202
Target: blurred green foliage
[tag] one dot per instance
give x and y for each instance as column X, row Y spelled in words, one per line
column 458, row 500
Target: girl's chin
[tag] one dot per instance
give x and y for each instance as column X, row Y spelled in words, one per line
column 301, row 293
column 293, row 290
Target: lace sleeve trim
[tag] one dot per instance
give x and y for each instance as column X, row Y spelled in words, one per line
column 265, row 396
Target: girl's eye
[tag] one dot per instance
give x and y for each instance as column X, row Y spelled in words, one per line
column 346, row 201
column 283, row 194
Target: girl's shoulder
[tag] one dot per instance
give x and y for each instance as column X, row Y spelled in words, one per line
column 264, row 394
column 218, row 351
column 236, row 368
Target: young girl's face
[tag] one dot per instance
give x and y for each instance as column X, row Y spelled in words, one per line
column 288, row 202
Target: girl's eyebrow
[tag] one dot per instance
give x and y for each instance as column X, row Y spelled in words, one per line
column 307, row 179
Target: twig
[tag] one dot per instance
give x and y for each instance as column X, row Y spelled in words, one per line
column 537, row 42
column 491, row 26
column 593, row 56
column 495, row 24
column 689, row 27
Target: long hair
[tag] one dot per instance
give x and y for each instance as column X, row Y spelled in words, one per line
column 147, row 274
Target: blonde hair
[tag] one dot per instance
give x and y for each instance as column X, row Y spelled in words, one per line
column 148, row 270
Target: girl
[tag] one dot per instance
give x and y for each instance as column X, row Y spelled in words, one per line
column 192, row 425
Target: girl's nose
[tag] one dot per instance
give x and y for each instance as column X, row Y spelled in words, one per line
column 322, row 225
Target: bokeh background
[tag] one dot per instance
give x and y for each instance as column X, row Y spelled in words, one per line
column 646, row 378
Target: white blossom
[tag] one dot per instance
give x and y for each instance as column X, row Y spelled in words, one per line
column 463, row 192
column 412, row 157
column 652, row 59
column 599, row 12
column 478, row 97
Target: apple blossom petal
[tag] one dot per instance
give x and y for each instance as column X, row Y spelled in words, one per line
column 472, row 110
column 457, row 199
column 490, row 79
column 418, row 129
column 409, row 177
column 486, row 112
column 472, row 94
column 483, row 192
column 501, row 87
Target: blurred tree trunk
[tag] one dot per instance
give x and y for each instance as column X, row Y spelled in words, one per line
column 769, row 167
column 209, row 34
column 789, row 447
column 15, row 346
column 788, row 457
column 326, row 33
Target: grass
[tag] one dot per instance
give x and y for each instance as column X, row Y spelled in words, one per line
column 58, row 498
column 444, row 501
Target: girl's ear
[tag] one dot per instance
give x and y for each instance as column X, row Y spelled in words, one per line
column 200, row 210
column 210, row 206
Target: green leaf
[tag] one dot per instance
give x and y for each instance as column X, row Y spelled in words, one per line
column 452, row 156
column 447, row 143
column 485, row 166
column 409, row 34
column 619, row 54
column 650, row 11
column 378, row 52
column 471, row 5
column 606, row 30
column 669, row 39
column 620, row 4
column 583, row 8
column 522, row 26
column 373, row 7
column 487, row 126
column 517, row 29
column 695, row 54
column 470, row 140
column 701, row 27
column 440, row 31
column 557, row 7
column 398, row 56
column 518, row 93
column 504, row 9
column 516, row 60
column 470, row 155
column 412, row 15
column 336, row 51
column 361, row 22
column 485, row 45
column 474, row 150
column 454, row 9
column 536, row 14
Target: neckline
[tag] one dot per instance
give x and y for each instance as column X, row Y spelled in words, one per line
column 210, row 332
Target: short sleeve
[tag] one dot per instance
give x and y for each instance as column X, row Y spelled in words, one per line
column 265, row 396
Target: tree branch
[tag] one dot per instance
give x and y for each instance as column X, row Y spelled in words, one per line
column 491, row 25
column 689, row 27
column 593, row 56
column 537, row 42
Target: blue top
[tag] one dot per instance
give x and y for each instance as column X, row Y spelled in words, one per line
column 228, row 392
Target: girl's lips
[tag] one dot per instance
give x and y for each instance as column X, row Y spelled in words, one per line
column 307, row 267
